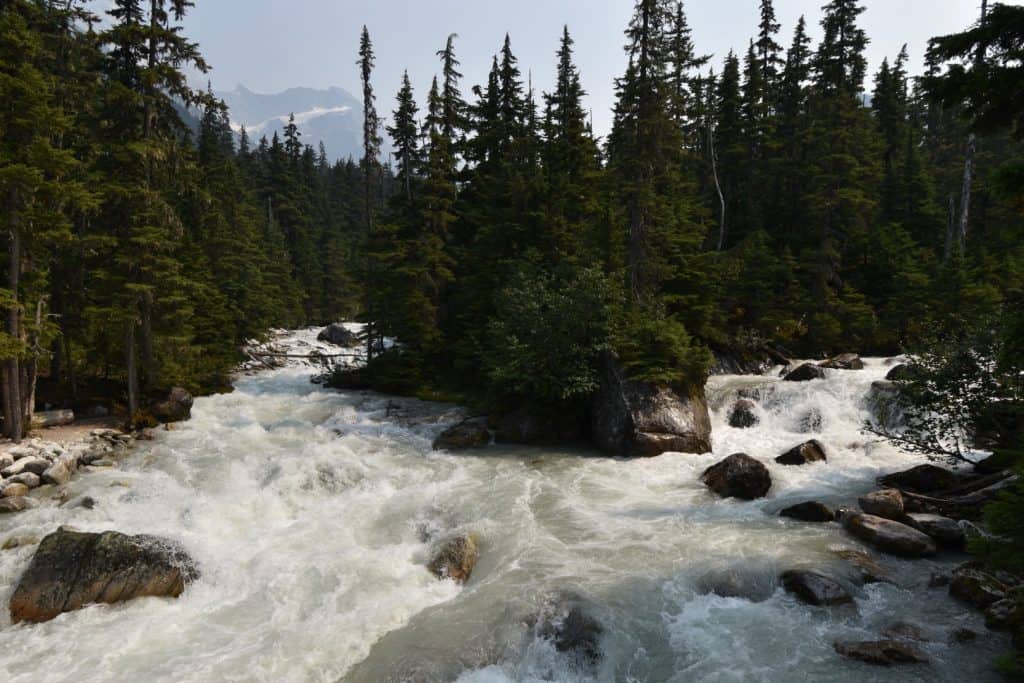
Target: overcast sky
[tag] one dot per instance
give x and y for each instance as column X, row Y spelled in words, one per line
column 270, row 45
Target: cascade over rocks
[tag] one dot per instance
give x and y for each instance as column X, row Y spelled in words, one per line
column 814, row 588
column 811, row 511
column 742, row 414
column 844, row 361
column 738, row 476
column 454, row 559
column 338, row 334
column 71, row 569
column 175, row 407
column 808, row 451
column 465, row 435
column 887, row 535
column 887, row 503
column 805, row 373
column 636, row 418
column 880, row 652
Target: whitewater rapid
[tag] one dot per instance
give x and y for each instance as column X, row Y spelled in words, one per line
column 312, row 513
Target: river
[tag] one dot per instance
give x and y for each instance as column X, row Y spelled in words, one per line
column 312, row 513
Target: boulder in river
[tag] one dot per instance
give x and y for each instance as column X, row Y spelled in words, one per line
column 13, row 490
column 814, row 588
column 902, row 630
column 902, row 373
column 888, row 536
column 738, row 476
column 454, row 559
column 808, row 451
column 16, row 504
column 463, row 436
column 637, row 418
column 804, row 373
column 867, row 568
column 339, row 335
column 176, row 406
column 811, row 511
column 573, row 630
column 976, row 587
column 944, row 530
column 922, row 479
column 844, row 361
column 887, row 503
column 71, row 569
column 742, row 414
column 880, row 652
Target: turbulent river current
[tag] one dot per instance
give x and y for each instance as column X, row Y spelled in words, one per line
column 312, row 514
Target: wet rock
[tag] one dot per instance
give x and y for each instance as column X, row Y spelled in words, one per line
column 750, row 583
column 808, row 451
column 27, row 478
column 16, row 504
column 880, row 652
column 742, row 414
column 805, row 373
column 811, row 511
column 976, row 587
column 642, row 419
column 921, row 479
column 738, row 476
column 71, row 569
column 888, row 536
column 868, row 569
column 814, row 588
column 946, row 531
column 578, row 634
column 61, row 471
column 844, row 361
column 902, row 630
column 455, row 559
column 85, row 502
column 13, row 490
column 338, row 334
column 963, row 635
column 34, row 464
column 902, row 373
column 175, row 407
column 465, row 435
column 887, row 503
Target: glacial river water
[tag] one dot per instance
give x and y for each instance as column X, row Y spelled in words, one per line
column 312, row 514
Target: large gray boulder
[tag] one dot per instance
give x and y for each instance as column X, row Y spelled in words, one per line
column 738, row 476
column 176, row 406
column 454, row 559
column 944, row 530
column 807, row 452
column 635, row 418
column 887, row 535
column 805, row 373
column 71, row 569
column 844, row 361
column 338, row 334
column 887, row 503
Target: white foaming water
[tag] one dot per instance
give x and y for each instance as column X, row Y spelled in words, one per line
column 311, row 515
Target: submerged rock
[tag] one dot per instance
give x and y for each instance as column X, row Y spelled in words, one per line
column 868, row 569
column 814, row 588
column 573, row 630
column 880, row 652
column 738, row 476
column 888, row 536
column 465, row 435
column 887, row 503
column 71, row 569
column 742, row 414
column 902, row 630
column 16, row 504
column 455, row 559
column 811, row 511
column 808, row 451
column 844, row 361
column 636, row 418
column 175, row 407
column 943, row 529
column 804, row 373
column 338, row 334
column 748, row 582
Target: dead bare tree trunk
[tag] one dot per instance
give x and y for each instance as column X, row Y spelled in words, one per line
column 131, row 369
column 965, row 194
column 950, row 229
column 718, row 186
column 13, row 425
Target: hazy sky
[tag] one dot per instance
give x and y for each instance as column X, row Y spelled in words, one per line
column 270, row 45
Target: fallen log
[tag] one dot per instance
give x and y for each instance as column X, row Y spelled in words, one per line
column 967, row 506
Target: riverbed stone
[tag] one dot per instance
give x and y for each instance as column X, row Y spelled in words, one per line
column 738, row 476
column 34, row 464
column 742, row 414
column 455, row 559
column 463, row 436
column 71, row 569
column 339, row 335
column 13, row 490
column 29, row 479
column 807, row 452
column 814, row 588
column 6, row 460
column 642, row 419
column 880, row 652
column 902, row 630
column 887, row 503
column 976, row 587
column 944, row 530
column 804, row 373
column 176, row 406
column 869, row 570
column 844, row 361
column 811, row 511
column 16, row 504
column 888, row 536
column 62, row 469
